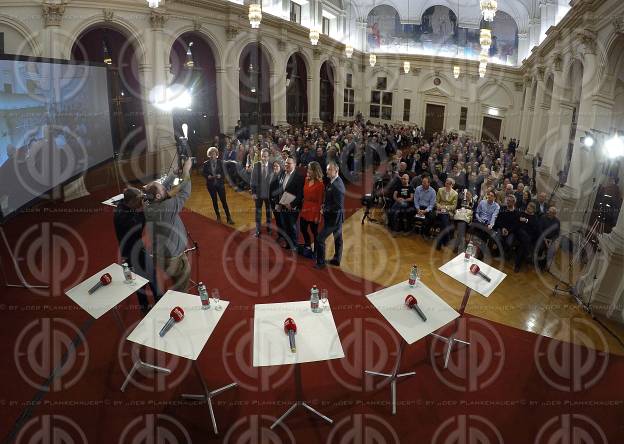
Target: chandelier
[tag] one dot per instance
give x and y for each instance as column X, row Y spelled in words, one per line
column 255, row 15
column 349, row 50
column 406, row 67
column 484, row 56
column 189, row 63
column 456, row 71
column 314, row 36
column 372, row 60
column 153, row 3
column 488, row 9
column 486, row 38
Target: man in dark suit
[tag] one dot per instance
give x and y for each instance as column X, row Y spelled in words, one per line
column 541, row 206
column 260, row 184
column 215, row 182
column 333, row 216
column 291, row 182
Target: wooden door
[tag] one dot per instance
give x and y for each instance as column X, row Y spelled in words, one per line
column 491, row 129
column 434, row 119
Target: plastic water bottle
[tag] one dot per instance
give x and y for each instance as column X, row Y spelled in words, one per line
column 127, row 271
column 203, row 295
column 470, row 251
column 314, row 299
column 413, row 277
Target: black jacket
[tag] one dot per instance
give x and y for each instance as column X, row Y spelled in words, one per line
column 259, row 185
column 208, row 170
column 508, row 219
column 129, row 225
column 294, row 187
column 333, row 204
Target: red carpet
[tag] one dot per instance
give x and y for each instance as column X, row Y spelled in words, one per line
column 510, row 386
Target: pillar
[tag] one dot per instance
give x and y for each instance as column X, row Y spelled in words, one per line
column 554, row 141
column 537, row 131
column 278, row 97
column 523, row 46
column 525, row 128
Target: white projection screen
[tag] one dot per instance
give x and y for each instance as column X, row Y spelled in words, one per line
column 54, row 126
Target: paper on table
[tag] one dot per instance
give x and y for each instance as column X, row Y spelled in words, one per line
column 287, row 198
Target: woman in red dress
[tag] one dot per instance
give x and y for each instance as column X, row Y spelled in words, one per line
column 312, row 200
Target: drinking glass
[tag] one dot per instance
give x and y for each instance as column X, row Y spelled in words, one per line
column 217, row 298
column 324, row 297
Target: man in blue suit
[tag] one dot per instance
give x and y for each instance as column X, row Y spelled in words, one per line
column 333, row 217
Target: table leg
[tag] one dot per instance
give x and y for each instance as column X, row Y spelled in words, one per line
column 119, row 321
column 140, row 364
column 394, row 375
column 299, row 402
column 451, row 340
column 208, row 395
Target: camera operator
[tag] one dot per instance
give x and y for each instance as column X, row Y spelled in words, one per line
column 168, row 232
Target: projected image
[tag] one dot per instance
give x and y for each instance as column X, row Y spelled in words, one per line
column 54, row 124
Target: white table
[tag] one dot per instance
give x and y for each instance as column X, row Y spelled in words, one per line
column 391, row 304
column 113, row 201
column 459, row 269
column 317, row 340
column 186, row 338
column 108, row 297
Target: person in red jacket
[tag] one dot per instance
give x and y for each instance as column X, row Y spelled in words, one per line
column 312, row 200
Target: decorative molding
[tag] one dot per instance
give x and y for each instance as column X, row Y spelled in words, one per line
column 281, row 45
column 540, row 73
column 231, row 32
column 416, row 71
column 53, row 13
column 523, row 36
column 158, row 20
column 197, row 24
column 519, row 86
column 316, row 53
column 557, row 62
column 618, row 24
column 109, row 14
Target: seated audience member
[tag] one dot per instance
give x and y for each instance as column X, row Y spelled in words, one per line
column 403, row 207
column 506, row 226
column 424, row 202
column 446, row 203
column 487, row 211
column 549, row 228
column 463, row 218
column 541, row 206
column 501, row 196
column 528, row 231
column 519, row 195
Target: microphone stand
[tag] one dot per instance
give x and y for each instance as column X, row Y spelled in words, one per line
column 195, row 247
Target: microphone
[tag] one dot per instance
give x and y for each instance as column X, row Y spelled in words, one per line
column 104, row 281
column 177, row 314
column 412, row 303
column 290, row 328
column 474, row 269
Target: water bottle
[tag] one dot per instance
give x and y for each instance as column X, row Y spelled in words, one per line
column 314, row 299
column 127, row 272
column 203, row 295
column 469, row 253
column 413, row 277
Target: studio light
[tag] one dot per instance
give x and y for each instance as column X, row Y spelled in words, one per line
column 372, row 60
column 255, row 15
column 349, row 51
column 170, row 98
column 406, row 67
column 588, row 141
column 488, row 9
column 614, row 147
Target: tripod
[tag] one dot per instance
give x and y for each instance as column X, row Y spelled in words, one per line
column 195, row 247
column 592, row 236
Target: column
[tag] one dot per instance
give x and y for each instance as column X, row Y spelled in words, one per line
column 525, row 128
column 554, row 140
column 339, row 91
column 229, row 104
column 523, row 46
column 537, row 131
column 278, row 98
column 314, row 89
column 534, row 32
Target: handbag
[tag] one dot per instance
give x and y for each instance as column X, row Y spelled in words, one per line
column 463, row 214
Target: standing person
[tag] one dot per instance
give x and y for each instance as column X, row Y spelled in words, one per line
column 129, row 221
column 260, row 184
column 274, row 197
column 167, row 231
column 333, row 217
column 312, row 200
column 213, row 172
column 291, row 185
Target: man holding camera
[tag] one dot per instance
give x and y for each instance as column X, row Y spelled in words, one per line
column 169, row 237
